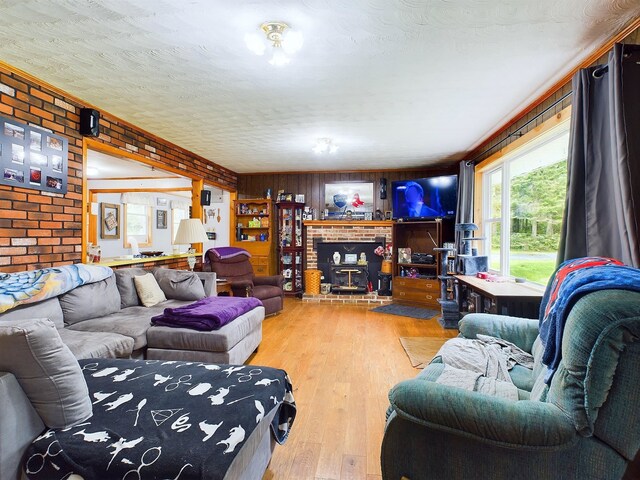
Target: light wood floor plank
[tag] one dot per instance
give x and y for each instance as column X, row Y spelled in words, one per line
column 342, row 361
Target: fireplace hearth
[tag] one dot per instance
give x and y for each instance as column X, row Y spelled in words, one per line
column 349, row 278
column 346, row 278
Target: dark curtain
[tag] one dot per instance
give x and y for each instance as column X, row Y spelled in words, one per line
column 464, row 212
column 602, row 210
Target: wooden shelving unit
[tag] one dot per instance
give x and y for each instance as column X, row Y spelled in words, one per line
column 290, row 249
column 417, row 283
column 260, row 240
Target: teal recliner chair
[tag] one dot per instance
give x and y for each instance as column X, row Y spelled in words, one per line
column 584, row 425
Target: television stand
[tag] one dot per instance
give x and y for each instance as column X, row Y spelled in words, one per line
column 417, row 283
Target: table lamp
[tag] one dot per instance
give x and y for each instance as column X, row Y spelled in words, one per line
column 190, row 231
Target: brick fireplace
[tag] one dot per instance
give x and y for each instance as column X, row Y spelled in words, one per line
column 344, row 232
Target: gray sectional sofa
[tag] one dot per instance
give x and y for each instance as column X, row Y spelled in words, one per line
column 106, row 320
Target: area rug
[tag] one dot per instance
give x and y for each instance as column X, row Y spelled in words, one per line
column 407, row 311
column 421, row 350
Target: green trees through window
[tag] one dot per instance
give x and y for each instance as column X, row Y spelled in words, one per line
column 532, row 180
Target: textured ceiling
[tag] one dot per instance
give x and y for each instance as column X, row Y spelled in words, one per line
column 395, row 83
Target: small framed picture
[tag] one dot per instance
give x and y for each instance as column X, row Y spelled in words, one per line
column 161, row 202
column 299, row 198
column 54, row 143
column 41, row 160
column 17, row 153
column 35, row 176
column 13, row 131
column 368, row 216
column 388, row 215
column 161, row 219
column 56, row 162
column 35, row 141
column 54, row 182
column 13, row 175
column 110, row 214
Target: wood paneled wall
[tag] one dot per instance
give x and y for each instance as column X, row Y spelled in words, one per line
column 312, row 184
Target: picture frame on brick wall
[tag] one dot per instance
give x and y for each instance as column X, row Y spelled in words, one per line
column 32, row 157
column 109, row 221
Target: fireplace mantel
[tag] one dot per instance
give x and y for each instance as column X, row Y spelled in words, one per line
column 348, row 223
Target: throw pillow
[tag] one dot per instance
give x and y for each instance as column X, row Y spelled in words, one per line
column 179, row 284
column 127, row 287
column 47, row 371
column 92, row 300
column 148, row 290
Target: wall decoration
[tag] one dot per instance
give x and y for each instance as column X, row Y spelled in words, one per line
column 31, row 157
column 161, row 219
column 356, row 197
column 299, row 198
column 161, row 202
column 110, row 221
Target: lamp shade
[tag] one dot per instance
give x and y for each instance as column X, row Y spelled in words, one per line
column 190, row 231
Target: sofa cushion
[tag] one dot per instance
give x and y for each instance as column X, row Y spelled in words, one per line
column 47, row 371
column 127, row 287
column 96, row 344
column 148, row 290
column 221, row 340
column 90, row 301
column 179, row 284
column 49, row 308
column 263, row 292
column 131, row 322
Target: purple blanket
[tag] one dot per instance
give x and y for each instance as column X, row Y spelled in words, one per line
column 226, row 252
column 207, row 314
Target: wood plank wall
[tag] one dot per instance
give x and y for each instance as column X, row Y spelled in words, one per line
column 312, row 184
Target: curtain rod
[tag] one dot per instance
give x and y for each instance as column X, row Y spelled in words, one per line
column 515, row 132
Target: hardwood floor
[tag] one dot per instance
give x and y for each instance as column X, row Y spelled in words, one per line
column 342, row 361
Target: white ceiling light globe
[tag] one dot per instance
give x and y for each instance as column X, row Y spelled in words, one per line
column 292, row 41
column 255, row 43
column 279, row 58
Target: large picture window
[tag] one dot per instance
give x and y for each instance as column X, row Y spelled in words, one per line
column 523, row 198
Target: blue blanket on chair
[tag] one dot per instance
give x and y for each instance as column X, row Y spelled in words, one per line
column 571, row 281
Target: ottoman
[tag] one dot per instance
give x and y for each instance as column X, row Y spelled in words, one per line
column 232, row 344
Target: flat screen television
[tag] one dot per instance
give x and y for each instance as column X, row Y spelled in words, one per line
column 425, row 198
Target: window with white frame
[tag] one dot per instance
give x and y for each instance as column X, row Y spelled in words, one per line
column 137, row 224
column 177, row 214
column 523, row 198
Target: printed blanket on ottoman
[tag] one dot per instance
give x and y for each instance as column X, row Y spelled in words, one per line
column 211, row 330
column 154, row 419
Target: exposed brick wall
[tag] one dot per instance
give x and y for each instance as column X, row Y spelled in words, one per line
column 40, row 229
column 341, row 233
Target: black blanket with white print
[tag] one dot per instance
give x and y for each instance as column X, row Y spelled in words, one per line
column 155, row 419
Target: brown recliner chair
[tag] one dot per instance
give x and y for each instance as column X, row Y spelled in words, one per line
column 238, row 272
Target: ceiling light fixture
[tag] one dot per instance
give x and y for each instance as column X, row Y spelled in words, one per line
column 283, row 40
column 325, row 145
